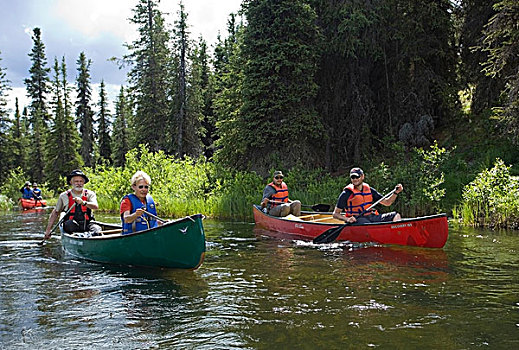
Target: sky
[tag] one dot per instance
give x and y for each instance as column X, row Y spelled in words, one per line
column 100, row 28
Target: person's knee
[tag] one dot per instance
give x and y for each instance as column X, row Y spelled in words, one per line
column 397, row 217
column 285, row 210
column 70, row 226
column 295, row 208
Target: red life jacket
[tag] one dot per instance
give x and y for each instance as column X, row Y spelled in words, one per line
column 359, row 200
column 281, row 194
column 87, row 212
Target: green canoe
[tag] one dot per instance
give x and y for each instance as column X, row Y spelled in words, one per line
column 176, row 244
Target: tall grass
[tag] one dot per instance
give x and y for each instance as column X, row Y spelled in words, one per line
column 492, row 199
column 188, row 186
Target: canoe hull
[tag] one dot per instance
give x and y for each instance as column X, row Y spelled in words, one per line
column 177, row 244
column 32, row 203
column 429, row 231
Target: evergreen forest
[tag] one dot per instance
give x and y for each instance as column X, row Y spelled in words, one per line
column 425, row 93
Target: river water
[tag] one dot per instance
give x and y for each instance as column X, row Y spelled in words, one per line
column 254, row 291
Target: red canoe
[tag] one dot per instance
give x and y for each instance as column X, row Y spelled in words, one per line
column 428, row 231
column 32, row 203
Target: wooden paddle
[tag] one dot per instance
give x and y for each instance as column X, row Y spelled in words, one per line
column 59, row 222
column 331, row 234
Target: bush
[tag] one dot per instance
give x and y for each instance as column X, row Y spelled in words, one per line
column 420, row 172
column 491, row 199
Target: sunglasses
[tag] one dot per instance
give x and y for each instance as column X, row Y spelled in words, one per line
column 143, row 186
column 278, row 177
column 353, row 177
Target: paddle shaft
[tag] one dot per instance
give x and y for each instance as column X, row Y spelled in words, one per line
column 154, row 216
column 59, row 222
column 380, row 200
column 331, row 234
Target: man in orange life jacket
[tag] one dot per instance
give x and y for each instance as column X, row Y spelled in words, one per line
column 275, row 198
column 358, row 196
column 80, row 217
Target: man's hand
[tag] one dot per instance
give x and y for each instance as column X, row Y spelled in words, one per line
column 350, row 219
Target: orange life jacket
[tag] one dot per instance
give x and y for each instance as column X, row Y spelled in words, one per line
column 281, row 194
column 359, row 200
column 87, row 212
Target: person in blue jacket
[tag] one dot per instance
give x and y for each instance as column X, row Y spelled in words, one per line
column 36, row 192
column 136, row 206
column 26, row 191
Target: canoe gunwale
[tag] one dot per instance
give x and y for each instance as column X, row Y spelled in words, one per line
column 119, row 236
column 427, row 231
column 405, row 220
column 159, row 247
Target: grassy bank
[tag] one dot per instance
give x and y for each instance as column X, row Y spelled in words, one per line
column 183, row 187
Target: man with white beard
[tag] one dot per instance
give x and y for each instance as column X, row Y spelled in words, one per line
column 78, row 204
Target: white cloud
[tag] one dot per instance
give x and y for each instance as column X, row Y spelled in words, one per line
column 100, row 28
column 95, row 18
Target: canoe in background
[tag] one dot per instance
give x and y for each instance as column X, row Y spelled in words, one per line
column 32, row 203
column 428, row 231
column 176, row 244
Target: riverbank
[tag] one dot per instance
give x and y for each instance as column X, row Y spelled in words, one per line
column 184, row 187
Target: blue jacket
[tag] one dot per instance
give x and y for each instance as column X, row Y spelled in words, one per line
column 26, row 193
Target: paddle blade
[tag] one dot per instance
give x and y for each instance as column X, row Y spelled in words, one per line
column 321, row 207
column 329, row 235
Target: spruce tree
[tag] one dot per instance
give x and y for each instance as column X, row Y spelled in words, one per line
column 5, row 124
column 84, row 113
column 474, row 16
column 103, row 132
column 120, row 135
column 19, row 148
column 189, row 103
column 37, row 90
column 208, row 121
column 278, row 122
column 502, row 44
column 149, row 78
column 227, row 84
column 63, row 140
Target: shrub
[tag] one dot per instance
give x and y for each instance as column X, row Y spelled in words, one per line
column 491, row 199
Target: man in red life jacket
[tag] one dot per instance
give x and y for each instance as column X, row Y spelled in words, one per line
column 275, row 198
column 80, row 218
column 357, row 197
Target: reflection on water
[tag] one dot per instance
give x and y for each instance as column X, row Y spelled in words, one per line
column 258, row 291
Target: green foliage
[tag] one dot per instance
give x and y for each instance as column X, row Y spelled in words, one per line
column 179, row 187
column 84, row 113
column 121, row 133
column 6, row 138
column 277, row 117
column 420, row 172
column 15, row 180
column 151, row 78
column 492, row 199
column 103, row 132
column 6, row 202
column 63, row 139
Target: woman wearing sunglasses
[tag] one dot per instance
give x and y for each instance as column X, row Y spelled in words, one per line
column 275, row 198
column 135, row 205
column 356, row 199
